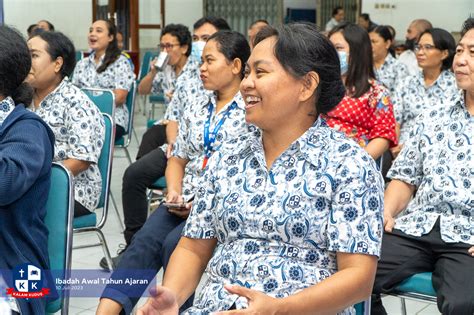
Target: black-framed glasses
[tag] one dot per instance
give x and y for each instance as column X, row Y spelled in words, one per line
column 425, row 47
column 167, row 46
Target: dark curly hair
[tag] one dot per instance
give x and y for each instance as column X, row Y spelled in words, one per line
column 15, row 64
column 182, row 33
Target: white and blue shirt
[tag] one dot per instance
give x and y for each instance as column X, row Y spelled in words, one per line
column 7, row 105
column 188, row 89
column 227, row 124
column 118, row 76
column 79, row 132
column 438, row 159
column 279, row 230
column 391, row 74
column 414, row 98
column 164, row 81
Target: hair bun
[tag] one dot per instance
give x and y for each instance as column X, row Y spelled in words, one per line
column 23, row 94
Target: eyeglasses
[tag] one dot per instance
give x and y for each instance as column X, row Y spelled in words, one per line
column 167, row 46
column 425, row 47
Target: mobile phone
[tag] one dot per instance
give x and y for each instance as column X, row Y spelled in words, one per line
column 174, row 205
column 162, row 60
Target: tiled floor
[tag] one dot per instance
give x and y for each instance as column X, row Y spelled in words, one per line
column 89, row 258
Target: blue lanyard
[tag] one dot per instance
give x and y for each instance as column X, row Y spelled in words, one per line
column 210, row 137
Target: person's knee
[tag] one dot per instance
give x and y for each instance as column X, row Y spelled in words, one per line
column 458, row 304
column 133, row 173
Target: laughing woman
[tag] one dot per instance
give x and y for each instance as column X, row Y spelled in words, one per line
column 288, row 220
column 107, row 68
column 76, row 122
column 209, row 123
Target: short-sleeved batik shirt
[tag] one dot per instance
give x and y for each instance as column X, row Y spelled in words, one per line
column 190, row 142
column 278, row 230
column 414, row 98
column 79, row 133
column 391, row 74
column 118, row 76
column 438, row 159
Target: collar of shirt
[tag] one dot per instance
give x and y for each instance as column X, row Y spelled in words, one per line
column 6, row 107
column 460, row 105
column 91, row 59
column 389, row 59
column 441, row 81
column 191, row 65
column 46, row 101
column 309, row 145
column 212, row 97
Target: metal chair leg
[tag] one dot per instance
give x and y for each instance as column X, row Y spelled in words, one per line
column 404, row 306
column 105, row 248
column 114, row 203
column 128, row 155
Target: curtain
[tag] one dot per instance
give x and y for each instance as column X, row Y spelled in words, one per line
column 241, row 13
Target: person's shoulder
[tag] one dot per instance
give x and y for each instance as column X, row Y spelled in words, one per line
column 241, row 143
column 325, row 142
column 22, row 118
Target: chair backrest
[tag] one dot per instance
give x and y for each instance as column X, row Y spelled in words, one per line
column 59, row 213
column 105, row 166
column 79, row 55
column 145, row 66
column 130, row 103
column 103, row 98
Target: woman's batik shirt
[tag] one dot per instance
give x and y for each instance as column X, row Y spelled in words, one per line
column 190, row 142
column 79, row 132
column 118, row 76
column 391, row 74
column 414, row 98
column 438, row 158
column 279, row 230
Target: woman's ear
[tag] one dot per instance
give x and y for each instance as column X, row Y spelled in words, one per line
column 309, row 86
column 444, row 54
column 237, row 66
column 58, row 64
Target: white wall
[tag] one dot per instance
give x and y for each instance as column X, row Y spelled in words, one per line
column 176, row 11
column 72, row 17
column 298, row 4
column 446, row 14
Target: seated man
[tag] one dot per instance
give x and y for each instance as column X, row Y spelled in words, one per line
column 437, row 225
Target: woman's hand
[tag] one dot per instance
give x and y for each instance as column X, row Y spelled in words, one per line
column 471, row 251
column 259, row 303
column 175, row 197
column 396, row 150
column 388, row 222
column 162, row 302
column 169, row 149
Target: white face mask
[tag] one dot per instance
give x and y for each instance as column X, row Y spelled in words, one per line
column 197, row 49
column 343, row 61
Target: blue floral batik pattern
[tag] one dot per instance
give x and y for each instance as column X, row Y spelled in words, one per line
column 279, row 229
column 118, row 76
column 79, row 132
column 438, row 159
column 413, row 98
